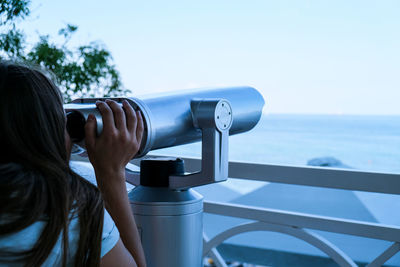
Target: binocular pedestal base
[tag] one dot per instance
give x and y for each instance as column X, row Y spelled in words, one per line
column 170, row 225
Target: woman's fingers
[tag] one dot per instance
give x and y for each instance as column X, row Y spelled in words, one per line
column 131, row 118
column 90, row 132
column 139, row 128
column 107, row 116
column 119, row 116
column 120, row 140
column 135, row 125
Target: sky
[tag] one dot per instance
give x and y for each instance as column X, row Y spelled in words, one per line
column 306, row 57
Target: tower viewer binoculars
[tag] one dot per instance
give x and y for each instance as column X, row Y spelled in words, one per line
column 169, row 117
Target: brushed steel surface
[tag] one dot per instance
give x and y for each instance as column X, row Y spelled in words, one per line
column 170, row 225
column 168, row 118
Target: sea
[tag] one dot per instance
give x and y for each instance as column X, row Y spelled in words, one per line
column 362, row 142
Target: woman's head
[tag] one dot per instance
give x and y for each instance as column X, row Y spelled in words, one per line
column 36, row 181
column 31, row 117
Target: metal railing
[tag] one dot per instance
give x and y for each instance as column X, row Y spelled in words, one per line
column 301, row 225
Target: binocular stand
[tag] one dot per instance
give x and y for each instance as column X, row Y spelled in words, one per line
column 168, row 213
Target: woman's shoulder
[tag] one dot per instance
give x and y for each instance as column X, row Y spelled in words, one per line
column 23, row 239
column 26, row 238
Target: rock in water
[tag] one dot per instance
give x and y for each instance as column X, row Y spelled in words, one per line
column 327, row 162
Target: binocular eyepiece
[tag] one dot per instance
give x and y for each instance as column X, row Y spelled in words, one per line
column 168, row 118
column 75, row 126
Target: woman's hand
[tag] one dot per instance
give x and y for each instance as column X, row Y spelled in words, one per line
column 109, row 153
column 118, row 143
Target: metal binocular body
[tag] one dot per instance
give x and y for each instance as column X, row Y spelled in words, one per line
column 169, row 118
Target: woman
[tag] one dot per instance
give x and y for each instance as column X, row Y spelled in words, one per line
column 49, row 215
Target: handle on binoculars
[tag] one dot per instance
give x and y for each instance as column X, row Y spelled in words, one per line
column 214, row 117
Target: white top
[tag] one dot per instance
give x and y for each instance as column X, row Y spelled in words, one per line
column 26, row 238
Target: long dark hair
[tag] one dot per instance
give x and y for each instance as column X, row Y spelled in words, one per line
column 36, row 182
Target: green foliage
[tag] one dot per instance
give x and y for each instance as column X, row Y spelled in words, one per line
column 12, row 43
column 13, row 9
column 86, row 71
